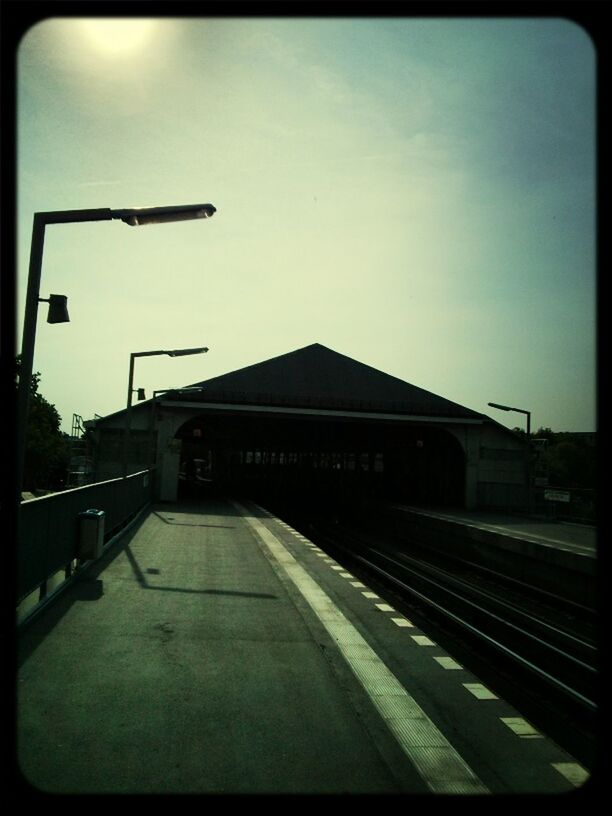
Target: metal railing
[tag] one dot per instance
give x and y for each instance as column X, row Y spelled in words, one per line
column 48, row 527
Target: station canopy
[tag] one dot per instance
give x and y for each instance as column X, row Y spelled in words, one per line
column 316, row 377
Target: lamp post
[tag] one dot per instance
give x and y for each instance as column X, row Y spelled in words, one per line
column 132, row 217
column 128, row 413
column 528, row 413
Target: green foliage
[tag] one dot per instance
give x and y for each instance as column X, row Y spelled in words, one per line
column 569, row 459
column 46, row 447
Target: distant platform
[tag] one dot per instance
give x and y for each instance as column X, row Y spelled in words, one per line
column 577, row 538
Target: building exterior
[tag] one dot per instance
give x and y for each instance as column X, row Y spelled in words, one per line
column 315, row 420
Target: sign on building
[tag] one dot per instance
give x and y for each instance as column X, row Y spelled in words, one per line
column 556, row 495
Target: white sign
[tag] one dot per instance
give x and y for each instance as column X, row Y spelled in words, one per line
column 556, row 495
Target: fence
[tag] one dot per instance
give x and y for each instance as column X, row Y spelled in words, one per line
column 48, row 527
column 566, row 503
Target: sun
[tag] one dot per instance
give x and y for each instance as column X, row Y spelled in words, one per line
column 117, row 37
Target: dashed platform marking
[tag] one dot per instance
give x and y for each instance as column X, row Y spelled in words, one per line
column 384, row 607
column 440, row 766
column 448, row 663
column 422, row 640
column 370, row 595
column 573, row 772
column 480, row 692
column 521, row 727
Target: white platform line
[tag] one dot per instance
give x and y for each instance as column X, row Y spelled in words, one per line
column 441, row 767
column 448, row 663
column 573, row 772
column 402, row 622
column 422, row 640
column 521, row 727
column 480, row 692
column 384, row 607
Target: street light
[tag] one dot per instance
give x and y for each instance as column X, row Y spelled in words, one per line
column 128, row 413
column 519, row 410
column 133, row 217
column 528, row 413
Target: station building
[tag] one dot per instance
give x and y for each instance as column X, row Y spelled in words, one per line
column 314, row 422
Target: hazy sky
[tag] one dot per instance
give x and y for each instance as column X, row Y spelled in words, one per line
column 416, row 194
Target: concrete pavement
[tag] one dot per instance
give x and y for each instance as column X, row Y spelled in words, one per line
column 218, row 651
column 183, row 665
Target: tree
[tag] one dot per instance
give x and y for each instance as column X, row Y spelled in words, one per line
column 570, row 462
column 46, row 447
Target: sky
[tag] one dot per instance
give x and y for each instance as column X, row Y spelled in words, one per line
column 417, row 194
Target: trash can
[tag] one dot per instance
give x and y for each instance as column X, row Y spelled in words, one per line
column 91, row 534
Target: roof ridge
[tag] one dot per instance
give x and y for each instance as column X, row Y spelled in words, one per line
column 301, row 377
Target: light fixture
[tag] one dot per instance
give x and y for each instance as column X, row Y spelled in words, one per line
column 131, row 390
column 528, row 467
column 58, row 313
column 138, row 216
column 184, row 352
column 518, row 410
column 58, row 308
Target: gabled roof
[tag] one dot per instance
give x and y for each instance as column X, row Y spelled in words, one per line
column 317, row 377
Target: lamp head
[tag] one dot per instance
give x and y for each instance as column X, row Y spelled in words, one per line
column 58, row 309
column 160, row 215
column 185, row 352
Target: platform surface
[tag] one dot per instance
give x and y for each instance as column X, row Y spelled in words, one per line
column 216, row 650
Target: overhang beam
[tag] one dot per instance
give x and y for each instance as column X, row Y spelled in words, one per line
column 316, row 412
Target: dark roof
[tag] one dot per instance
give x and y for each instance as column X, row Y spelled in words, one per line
column 317, row 377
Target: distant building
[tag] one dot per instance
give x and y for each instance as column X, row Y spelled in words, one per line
column 314, row 420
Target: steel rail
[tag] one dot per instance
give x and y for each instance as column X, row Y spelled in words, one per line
column 537, row 593
column 514, row 609
column 510, row 652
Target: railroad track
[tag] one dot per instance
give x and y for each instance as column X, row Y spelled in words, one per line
column 555, row 664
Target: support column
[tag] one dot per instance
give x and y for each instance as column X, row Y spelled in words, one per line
column 472, row 455
column 168, row 458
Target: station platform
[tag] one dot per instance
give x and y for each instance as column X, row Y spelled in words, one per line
column 213, row 649
column 560, row 558
column 580, row 539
